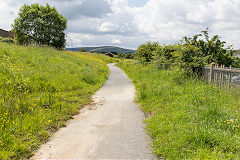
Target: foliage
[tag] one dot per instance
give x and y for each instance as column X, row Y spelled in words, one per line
column 145, row 51
column 191, row 59
column 191, row 54
column 126, row 56
column 6, row 40
column 40, row 89
column 187, row 118
column 166, row 56
column 211, row 49
column 41, row 25
column 236, row 62
column 129, row 56
column 121, row 55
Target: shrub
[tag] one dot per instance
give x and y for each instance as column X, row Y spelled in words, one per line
column 7, row 40
column 236, row 62
column 145, row 51
column 191, row 59
column 166, row 56
column 121, row 55
column 212, row 49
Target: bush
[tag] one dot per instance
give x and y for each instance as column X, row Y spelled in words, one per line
column 213, row 50
column 145, row 51
column 191, row 59
column 191, row 54
column 236, row 62
column 121, row 55
column 7, row 40
column 166, row 56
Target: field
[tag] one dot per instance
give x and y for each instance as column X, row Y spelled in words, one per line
column 187, row 118
column 40, row 89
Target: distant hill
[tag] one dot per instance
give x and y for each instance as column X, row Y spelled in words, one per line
column 104, row 49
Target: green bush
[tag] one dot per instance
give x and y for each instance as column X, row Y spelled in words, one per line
column 7, row 40
column 166, row 56
column 236, row 62
column 145, row 51
column 212, row 49
column 121, row 55
column 191, row 54
column 191, row 59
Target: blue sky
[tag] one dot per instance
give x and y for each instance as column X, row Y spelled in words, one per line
column 129, row 23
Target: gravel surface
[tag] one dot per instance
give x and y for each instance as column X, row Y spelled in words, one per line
column 110, row 128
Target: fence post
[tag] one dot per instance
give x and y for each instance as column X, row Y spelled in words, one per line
column 211, row 72
column 229, row 78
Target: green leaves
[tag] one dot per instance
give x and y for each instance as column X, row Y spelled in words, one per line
column 42, row 25
column 145, row 51
column 191, row 54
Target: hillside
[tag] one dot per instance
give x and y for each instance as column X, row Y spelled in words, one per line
column 40, row 89
column 104, row 49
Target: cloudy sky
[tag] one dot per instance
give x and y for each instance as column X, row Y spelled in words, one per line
column 128, row 23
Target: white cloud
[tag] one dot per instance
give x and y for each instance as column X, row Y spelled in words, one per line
column 165, row 21
column 7, row 15
column 116, row 41
column 107, row 27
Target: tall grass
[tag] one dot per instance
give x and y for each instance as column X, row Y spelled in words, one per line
column 187, row 118
column 41, row 88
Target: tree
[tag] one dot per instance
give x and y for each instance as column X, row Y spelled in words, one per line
column 40, row 24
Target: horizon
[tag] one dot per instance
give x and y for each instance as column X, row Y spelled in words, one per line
column 101, row 46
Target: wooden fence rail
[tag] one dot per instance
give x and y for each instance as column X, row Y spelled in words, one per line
column 222, row 75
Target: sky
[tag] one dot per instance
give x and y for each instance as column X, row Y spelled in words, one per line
column 129, row 23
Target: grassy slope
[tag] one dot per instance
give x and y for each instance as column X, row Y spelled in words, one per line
column 188, row 119
column 41, row 88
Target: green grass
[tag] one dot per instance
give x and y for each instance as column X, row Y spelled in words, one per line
column 187, row 118
column 40, row 89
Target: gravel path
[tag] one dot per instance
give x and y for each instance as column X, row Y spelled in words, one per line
column 111, row 128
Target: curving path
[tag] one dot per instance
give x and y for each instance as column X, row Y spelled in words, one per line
column 111, row 128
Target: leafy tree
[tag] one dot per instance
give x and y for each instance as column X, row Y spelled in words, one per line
column 145, row 51
column 40, row 24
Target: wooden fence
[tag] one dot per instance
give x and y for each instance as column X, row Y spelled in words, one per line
column 222, row 75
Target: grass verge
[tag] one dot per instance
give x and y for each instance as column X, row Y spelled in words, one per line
column 187, row 118
column 40, row 89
